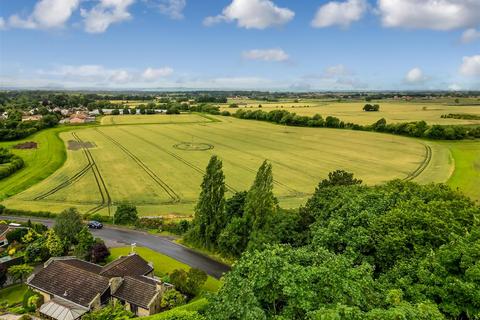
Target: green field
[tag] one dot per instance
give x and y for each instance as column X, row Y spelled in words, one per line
column 392, row 111
column 159, row 167
column 466, row 177
column 39, row 163
column 154, row 119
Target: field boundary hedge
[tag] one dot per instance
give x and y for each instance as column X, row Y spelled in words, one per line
column 9, row 163
column 416, row 129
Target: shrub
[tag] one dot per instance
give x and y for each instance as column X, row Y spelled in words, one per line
column 126, row 214
column 171, row 299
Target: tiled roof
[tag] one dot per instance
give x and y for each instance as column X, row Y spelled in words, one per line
column 136, row 291
column 87, row 266
column 131, row 265
column 3, row 228
column 69, row 281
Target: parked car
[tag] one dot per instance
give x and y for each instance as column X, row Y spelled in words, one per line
column 95, row 225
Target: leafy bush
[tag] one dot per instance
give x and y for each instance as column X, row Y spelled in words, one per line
column 126, row 214
column 171, row 299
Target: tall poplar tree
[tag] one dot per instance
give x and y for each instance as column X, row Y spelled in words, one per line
column 209, row 218
column 260, row 203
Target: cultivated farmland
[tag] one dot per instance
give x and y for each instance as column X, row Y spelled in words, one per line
column 392, row 111
column 159, row 166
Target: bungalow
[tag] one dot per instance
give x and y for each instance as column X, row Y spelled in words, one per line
column 72, row 287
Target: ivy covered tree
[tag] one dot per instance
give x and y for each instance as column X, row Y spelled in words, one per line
column 210, row 217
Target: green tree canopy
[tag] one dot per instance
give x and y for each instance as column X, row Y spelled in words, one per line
column 210, row 217
column 67, row 225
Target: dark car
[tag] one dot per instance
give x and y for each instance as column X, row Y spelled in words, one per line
column 95, row 225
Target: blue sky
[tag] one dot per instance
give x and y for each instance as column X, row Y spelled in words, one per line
column 241, row 44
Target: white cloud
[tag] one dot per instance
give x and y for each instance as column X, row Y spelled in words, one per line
column 429, row 14
column 3, row 24
column 338, row 70
column 89, row 73
column 105, row 13
column 253, row 14
column 151, row 74
column 415, row 76
column 98, row 74
column 470, row 66
column 266, row 55
column 171, row 8
column 46, row 14
column 470, row 35
column 339, row 13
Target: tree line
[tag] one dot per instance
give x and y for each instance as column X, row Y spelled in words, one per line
column 418, row 129
column 394, row 251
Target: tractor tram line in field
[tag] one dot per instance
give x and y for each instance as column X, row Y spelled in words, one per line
column 292, row 168
column 187, row 163
column 65, row 183
column 105, row 195
column 423, row 165
column 175, row 198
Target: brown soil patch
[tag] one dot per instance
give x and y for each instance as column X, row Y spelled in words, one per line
column 26, row 145
column 76, row 145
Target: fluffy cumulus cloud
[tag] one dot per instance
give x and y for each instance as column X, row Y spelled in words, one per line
column 470, row 35
column 429, row 14
column 253, row 14
column 470, row 66
column 415, row 76
column 339, row 13
column 266, row 55
column 46, row 14
column 105, row 13
column 151, row 74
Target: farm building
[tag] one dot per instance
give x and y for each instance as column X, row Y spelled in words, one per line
column 72, row 287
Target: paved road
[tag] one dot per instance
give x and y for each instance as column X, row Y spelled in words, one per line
column 160, row 244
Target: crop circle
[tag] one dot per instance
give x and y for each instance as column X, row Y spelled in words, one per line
column 193, row 146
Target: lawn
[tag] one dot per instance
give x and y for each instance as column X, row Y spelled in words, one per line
column 392, row 111
column 159, row 167
column 13, row 294
column 162, row 264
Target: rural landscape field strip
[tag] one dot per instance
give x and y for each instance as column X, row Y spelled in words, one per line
column 293, row 191
column 177, row 157
column 171, row 193
column 251, row 141
column 423, row 165
column 351, row 139
column 339, row 155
